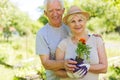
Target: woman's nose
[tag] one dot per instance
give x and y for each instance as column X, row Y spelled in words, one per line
column 77, row 23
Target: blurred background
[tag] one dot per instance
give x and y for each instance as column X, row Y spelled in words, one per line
column 21, row 19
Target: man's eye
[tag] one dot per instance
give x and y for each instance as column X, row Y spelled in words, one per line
column 58, row 9
column 50, row 10
column 80, row 20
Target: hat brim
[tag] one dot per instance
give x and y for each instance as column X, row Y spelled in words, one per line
column 83, row 13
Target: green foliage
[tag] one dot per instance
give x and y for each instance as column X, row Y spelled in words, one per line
column 3, row 54
column 83, row 50
column 104, row 14
column 18, row 78
column 16, row 46
column 112, row 44
column 42, row 73
column 114, row 73
column 35, row 26
column 113, row 36
column 11, row 16
column 113, row 52
column 3, row 57
column 19, row 57
column 43, row 20
column 19, row 51
column 96, row 25
column 6, row 73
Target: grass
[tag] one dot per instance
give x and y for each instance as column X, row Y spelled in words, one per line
column 20, row 52
column 112, row 48
column 6, row 73
column 112, row 44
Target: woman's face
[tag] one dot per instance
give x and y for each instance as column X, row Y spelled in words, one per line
column 77, row 23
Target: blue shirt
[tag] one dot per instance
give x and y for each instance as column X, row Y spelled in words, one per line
column 47, row 40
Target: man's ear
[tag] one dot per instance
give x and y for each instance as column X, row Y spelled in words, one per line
column 45, row 13
column 63, row 10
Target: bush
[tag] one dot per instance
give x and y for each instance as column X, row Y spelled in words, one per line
column 114, row 73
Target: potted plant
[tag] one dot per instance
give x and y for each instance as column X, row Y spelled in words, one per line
column 83, row 51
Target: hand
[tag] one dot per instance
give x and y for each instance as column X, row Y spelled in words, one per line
column 70, row 65
column 77, row 74
column 97, row 35
column 81, row 71
column 84, row 66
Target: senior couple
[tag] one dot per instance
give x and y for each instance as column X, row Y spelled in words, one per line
column 56, row 44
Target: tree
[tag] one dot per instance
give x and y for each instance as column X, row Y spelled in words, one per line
column 10, row 15
column 104, row 14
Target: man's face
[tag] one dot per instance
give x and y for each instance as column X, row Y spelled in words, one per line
column 54, row 13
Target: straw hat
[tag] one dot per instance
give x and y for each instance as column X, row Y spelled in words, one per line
column 75, row 10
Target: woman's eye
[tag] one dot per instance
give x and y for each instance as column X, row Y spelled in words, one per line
column 72, row 21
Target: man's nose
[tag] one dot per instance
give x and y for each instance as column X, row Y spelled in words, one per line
column 55, row 13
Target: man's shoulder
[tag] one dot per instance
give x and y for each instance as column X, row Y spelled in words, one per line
column 43, row 29
column 66, row 28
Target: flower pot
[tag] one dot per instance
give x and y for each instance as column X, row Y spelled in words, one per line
column 79, row 60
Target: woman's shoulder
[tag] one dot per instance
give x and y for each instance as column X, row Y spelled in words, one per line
column 98, row 39
column 63, row 44
column 65, row 39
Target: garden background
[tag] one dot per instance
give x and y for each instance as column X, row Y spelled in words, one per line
column 18, row 60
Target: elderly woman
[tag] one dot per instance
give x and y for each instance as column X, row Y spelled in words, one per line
column 76, row 19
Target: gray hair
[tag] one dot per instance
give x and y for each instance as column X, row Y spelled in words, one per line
column 52, row 1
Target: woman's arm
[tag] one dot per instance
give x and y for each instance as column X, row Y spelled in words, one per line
column 69, row 65
column 102, row 66
column 60, row 56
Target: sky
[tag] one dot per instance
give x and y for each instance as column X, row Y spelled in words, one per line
column 30, row 7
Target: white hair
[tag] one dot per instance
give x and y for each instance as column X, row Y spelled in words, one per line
column 52, row 1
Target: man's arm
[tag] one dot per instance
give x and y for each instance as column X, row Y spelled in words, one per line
column 61, row 73
column 68, row 64
column 43, row 51
column 57, row 64
column 51, row 64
